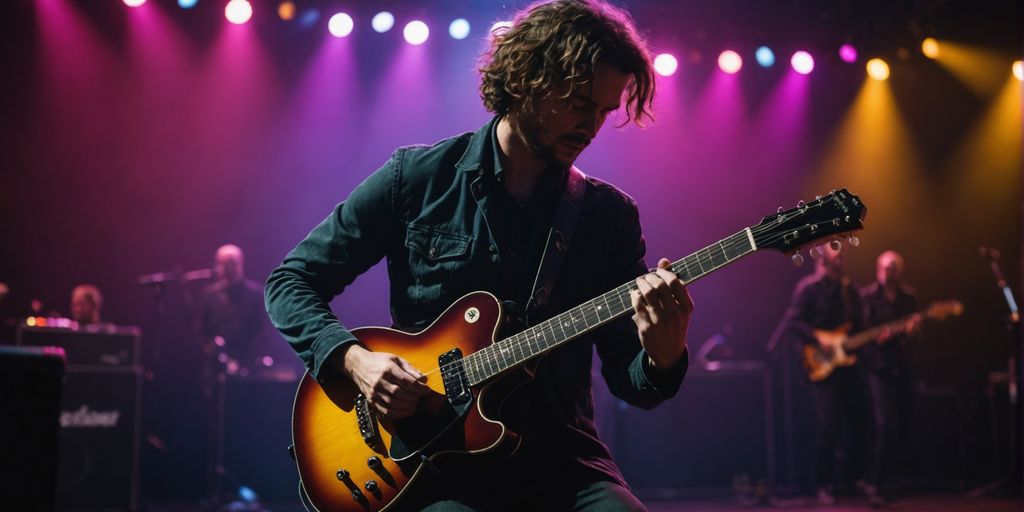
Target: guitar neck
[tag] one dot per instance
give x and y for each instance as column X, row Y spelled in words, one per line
column 580, row 320
column 864, row 337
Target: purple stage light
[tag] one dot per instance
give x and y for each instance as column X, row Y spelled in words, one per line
column 730, row 62
column 848, row 53
column 459, row 28
column 416, row 32
column 802, row 62
column 340, row 25
column 238, row 11
column 665, row 64
column 383, row 21
column 134, row 3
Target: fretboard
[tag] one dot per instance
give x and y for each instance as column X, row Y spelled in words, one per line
column 545, row 336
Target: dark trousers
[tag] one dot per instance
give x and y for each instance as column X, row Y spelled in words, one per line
column 891, row 397
column 842, row 409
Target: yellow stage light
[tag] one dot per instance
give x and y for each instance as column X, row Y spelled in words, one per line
column 878, row 69
column 286, row 10
column 930, row 48
column 1018, row 70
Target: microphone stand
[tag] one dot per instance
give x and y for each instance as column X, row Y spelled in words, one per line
column 1011, row 480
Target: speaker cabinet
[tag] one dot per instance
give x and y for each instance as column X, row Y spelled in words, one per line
column 30, row 389
column 99, row 426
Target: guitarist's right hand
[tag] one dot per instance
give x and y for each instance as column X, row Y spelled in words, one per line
column 389, row 383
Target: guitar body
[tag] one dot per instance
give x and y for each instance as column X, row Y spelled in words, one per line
column 820, row 363
column 329, row 424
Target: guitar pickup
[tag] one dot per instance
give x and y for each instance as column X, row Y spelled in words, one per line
column 453, row 375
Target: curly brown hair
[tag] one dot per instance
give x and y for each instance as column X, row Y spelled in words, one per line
column 554, row 43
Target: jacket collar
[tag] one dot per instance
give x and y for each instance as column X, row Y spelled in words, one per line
column 477, row 151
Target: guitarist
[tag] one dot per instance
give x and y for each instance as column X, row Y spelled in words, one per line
column 825, row 301
column 473, row 213
column 889, row 382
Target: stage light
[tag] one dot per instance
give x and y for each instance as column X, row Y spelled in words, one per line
column 238, row 11
column 1018, row 70
column 930, row 48
column 848, row 53
column 187, row 4
column 802, row 62
column 286, row 10
column 416, row 32
column 666, row 64
column 878, row 69
column 730, row 62
column 459, row 28
column 340, row 25
column 500, row 26
column 382, row 22
column 134, row 3
column 309, row 17
column 765, row 57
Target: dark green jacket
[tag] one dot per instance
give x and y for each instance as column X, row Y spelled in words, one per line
column 432, row 212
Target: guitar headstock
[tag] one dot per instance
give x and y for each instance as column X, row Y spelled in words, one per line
column 838, row 213
column 943, row 309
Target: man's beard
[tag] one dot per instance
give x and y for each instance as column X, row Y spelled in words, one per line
column 530, row 130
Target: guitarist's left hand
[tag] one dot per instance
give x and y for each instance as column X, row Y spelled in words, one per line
column 662, row 309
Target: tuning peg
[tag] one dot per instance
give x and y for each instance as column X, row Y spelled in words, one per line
column 853, row 241
column 817, row 197
column 797, row 259
column 779, row 210
column 815, row 252
column 835, row 245
column 800, row 203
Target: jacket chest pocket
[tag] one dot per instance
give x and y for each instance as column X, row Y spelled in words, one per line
column 436, row 257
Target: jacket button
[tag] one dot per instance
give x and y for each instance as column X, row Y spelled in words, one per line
column 492, row 248
column 433, row 252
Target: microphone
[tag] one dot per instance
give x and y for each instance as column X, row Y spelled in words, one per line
column 176, row 275
column 990, row 253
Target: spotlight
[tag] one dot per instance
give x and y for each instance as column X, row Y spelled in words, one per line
column 309, row 17
column 802, row 62
column 187, row 4
column 340, row 25
column 930, row 48
column 765, row 57
column 286, row 11
column 459, row 28
column 730, row 62
column 238, row 11
column 878, row 69
column 134, row 3
column 382, row 21
column 1018, row 70
column 848, row 53
column 666, row 64
column 416, row 32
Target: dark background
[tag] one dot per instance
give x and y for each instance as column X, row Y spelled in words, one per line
column 139, row 140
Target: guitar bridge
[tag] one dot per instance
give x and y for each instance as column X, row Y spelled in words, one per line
column 367, row 424
column 453, row 375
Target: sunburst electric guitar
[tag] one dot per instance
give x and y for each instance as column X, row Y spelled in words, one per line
column 820, row 363
column 350, row 458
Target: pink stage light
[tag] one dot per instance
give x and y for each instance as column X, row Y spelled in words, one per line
column 134, row 3
column 730, row 62
column 848, row 53
column 416, row 32
column 802, row 62
column 666, row 64
column 238, row 11
column 340, row 25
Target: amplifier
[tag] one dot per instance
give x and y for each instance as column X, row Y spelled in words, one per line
column 91, row 345
column 99, row 428
column 30, row 388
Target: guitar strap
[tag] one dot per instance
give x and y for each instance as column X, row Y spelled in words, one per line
column 559, row 236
